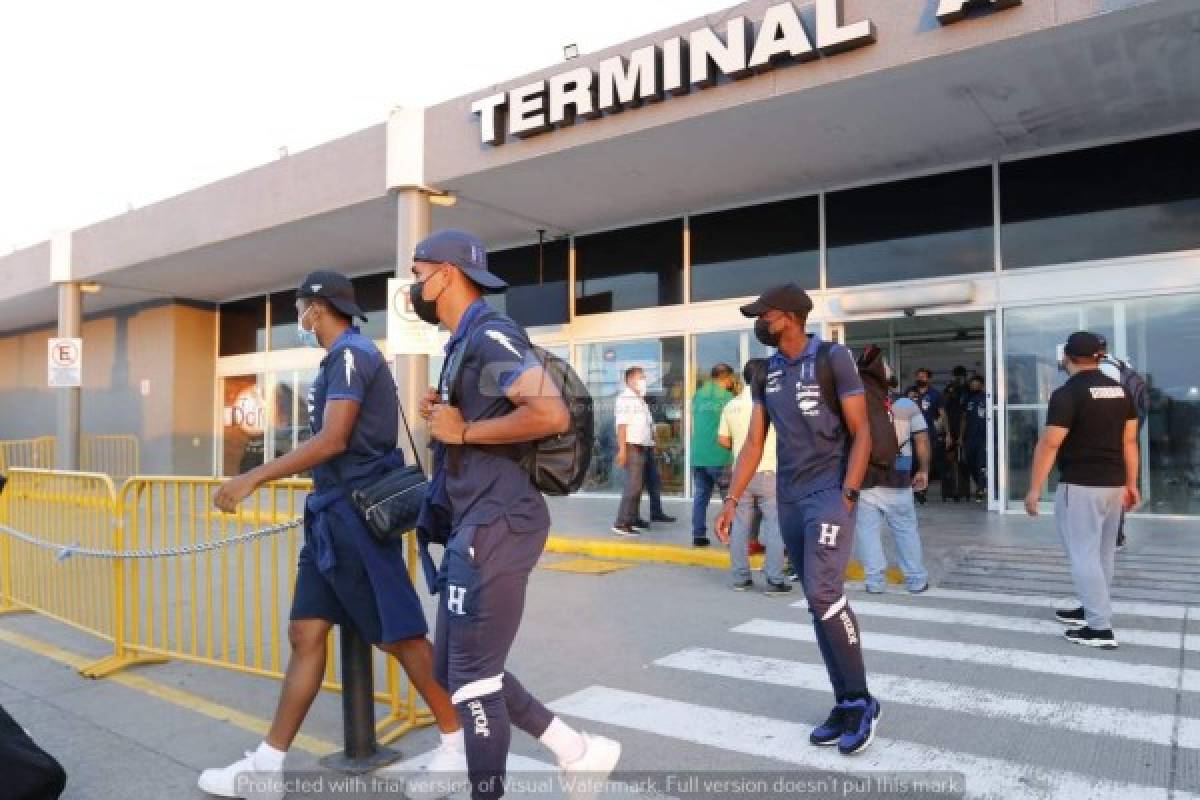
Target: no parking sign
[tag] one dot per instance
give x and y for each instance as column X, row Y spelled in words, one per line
column 64, row 362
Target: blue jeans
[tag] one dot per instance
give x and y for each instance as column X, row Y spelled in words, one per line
column 894, row 507
column 704, row 480
column 760, row 494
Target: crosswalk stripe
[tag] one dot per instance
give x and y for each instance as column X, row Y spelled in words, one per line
column 1143, row 726
column 1135, row 609
column 1050, row 663
column 787, row 742
column 1046, row 627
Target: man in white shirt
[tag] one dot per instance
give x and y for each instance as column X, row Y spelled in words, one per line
column 759, row 494
column 635, row 444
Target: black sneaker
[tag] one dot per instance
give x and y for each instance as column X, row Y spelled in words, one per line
column 742, row 586
column 625, row 530
column 831, row 730
column 1105, row 640
column 640, row 524
column 774, row 589
column 701, row 543
column 1070, row 616
column 661, row 518
column 862, row 718
column 1120, row 541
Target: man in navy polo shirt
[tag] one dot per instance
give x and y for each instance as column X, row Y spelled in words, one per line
column 813, row 396
column 494, row 400
column 344, row 575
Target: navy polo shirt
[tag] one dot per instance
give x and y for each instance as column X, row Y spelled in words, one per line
column 354, row 369
column 482, row 484
column 812, row 443
column 975, row 411
column 930, row 404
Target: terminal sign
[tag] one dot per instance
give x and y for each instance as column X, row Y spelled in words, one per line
column 64, row 362
column 683, row 63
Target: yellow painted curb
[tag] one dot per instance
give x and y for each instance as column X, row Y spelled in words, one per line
column 680, row 555
column 168, row 694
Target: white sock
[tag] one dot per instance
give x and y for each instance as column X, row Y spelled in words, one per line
column 455, row 741
column 564, row 741
column 268, row 758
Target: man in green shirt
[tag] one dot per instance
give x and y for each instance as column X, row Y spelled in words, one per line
column 710, row 461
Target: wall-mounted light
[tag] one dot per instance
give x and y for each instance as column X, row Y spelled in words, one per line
column 443, row 199
column 570, row 51
column 90, row 287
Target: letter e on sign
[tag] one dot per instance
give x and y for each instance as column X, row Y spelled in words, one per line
column 64, row 363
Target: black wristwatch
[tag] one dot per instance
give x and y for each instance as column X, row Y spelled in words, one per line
column 851, row 495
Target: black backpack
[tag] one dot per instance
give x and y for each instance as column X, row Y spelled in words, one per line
column 885, row 447
column 28, row 772
column 557, row 464
column 1135, row 386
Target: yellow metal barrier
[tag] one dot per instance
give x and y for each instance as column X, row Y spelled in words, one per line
column 27, row 453
column 115, row 455
column 225, row 607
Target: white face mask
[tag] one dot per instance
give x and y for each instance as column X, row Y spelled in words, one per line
column 306, row 337
column 639, row 386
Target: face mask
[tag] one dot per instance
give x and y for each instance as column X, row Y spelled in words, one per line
column 922, row 383
column 639, row 386
column 425, row 309
column 762, row 332
column 307, row 338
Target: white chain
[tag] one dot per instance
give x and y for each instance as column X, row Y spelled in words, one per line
column 66, row 551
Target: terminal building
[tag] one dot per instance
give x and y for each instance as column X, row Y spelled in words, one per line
column 961, row 183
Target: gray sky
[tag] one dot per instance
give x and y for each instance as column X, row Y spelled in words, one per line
column 104, row 105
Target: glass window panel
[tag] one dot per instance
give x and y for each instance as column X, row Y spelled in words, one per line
column 283, row 321
column 1162, row 339
column 372, row 294
column 243, row 326
column 244, row 422
column 919, row 228
column 638, row 267
column 1105, row 202
column 291, row 421
column 724, row 347
column 538, row 291
column 745, row 251
column 602, row 366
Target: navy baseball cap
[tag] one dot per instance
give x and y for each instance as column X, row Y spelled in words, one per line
column 788, row 297
column 463, row 251
column 1083, row 344
column 335, row 289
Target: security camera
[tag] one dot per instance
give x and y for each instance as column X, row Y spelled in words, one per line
column 910, row 312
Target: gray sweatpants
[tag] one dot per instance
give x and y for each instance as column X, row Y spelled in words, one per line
column 1087, row 519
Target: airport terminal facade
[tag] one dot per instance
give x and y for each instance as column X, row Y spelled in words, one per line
column 960, row 183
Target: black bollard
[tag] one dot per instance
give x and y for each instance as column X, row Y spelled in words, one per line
column 362, row 752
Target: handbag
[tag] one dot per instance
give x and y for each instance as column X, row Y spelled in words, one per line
column 390, row 505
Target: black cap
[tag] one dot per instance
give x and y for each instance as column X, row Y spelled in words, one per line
column 335, row 289
column 463, row 251
column 959, row 371
column 788, row 297
column 1083, row 344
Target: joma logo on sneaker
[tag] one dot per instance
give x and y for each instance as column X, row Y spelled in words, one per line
column 480, row 719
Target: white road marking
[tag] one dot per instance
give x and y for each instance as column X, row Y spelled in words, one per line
column 1123, row 723
column 788, row 742
column 1099, row 669
column 1132, row 609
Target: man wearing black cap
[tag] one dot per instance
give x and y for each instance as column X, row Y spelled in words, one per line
column 1092, row 430
column 813, row 396
column 344, row 575
column 493, row 399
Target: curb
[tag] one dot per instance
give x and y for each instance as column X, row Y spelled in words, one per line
column 715, row 557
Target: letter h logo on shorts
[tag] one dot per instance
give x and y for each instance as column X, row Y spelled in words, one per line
column 829, row 533
column 456, row 600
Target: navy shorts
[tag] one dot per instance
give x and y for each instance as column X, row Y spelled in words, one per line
column 381, row 604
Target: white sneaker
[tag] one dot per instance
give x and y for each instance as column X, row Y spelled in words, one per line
column 445, row 774
column 244, row 780
column 587, row 774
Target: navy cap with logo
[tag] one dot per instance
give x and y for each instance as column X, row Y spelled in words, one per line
column 463, row 251
column 1083, row 344
column 788, row 297
column 335, row 289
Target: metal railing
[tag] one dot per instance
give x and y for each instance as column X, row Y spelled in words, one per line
column 115, row 455
column 38, row 453
column 160, row 573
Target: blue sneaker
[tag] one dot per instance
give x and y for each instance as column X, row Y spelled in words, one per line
column 831, row 730
column 862, row 716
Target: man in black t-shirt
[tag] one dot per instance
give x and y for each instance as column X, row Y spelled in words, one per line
column 1091, row 427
